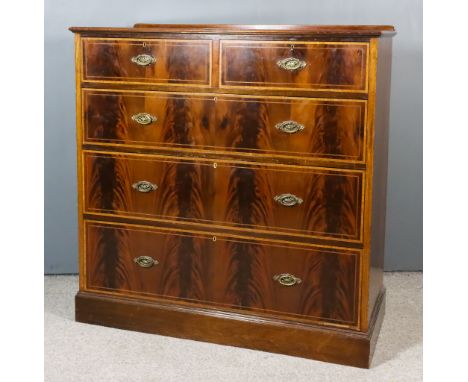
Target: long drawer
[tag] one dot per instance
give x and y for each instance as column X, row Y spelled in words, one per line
column 281, row 126
column 229, row 273
column 157, row 61
column 336, row 66
column 303, row 201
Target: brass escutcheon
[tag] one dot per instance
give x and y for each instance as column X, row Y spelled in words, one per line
column 291, row 63
column 287, row 279
column 144, row 118
column 145, row 261
column 289, row 127
column 288, row 200
column 144, row 60
column 144, row 186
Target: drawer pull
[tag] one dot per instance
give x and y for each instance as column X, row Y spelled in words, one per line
column 291, row 64
column 145, row 261
column 289, row 127
column 144, row 118
column 287, row 279
column 288, row 200
column 143, row 60
column 144, row 186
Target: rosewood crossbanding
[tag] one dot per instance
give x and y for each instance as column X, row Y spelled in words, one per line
column 231, row 184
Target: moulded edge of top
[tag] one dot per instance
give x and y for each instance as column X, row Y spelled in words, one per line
column 327, row 30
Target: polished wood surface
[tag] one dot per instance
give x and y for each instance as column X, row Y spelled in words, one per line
column 380, row 171
column 332, row 129
column 215, row 90
column 203, row 127
column 79, row 157
column 346, row 347
column 227, row 29
column 217, row 270
column 327, row 65
column 177, row 61
column 218, row 192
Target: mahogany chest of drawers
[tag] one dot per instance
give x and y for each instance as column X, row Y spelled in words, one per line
column 232, row 184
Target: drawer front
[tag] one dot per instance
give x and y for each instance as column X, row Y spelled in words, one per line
column 294, row 65
column 280, row 126
column 309, row 202
column 230, row 273
column 171, row 62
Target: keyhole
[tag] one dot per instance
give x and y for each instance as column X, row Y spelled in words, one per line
column 291, row 47
column 215, row 165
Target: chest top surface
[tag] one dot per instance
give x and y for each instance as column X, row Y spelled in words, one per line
column 325, row 30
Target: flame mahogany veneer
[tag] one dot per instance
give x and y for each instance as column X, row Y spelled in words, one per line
column 232, row 184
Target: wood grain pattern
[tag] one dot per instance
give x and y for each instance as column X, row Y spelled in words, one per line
column 216, row 162
column 177, row 61
column 245, row 91
column 333, row 129
column 328, row 65
column 79, row 162
column 380, row 170
column 226, row 272
column 231, row 195
column 269, row 30
column 327, row 344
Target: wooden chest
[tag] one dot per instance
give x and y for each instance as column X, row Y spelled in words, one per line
column 232, row 184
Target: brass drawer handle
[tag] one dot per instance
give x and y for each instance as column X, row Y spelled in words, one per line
column 288, row 200
column 289, row 127
column 144, row 186
column 144, row 118
column 291, row 64
column 143, row 60
column 287, row 279
column 145, row 261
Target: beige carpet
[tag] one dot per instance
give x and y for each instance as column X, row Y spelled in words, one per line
column 81, row 352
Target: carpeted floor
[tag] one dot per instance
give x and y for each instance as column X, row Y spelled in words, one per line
column 80, row 352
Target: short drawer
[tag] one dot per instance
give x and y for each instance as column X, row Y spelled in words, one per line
column 286, row 200
column 196, row 268
column 294, row 65
column 286, row 127
column 170, row 62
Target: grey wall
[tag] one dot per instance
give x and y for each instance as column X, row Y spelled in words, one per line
column 404, row 217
